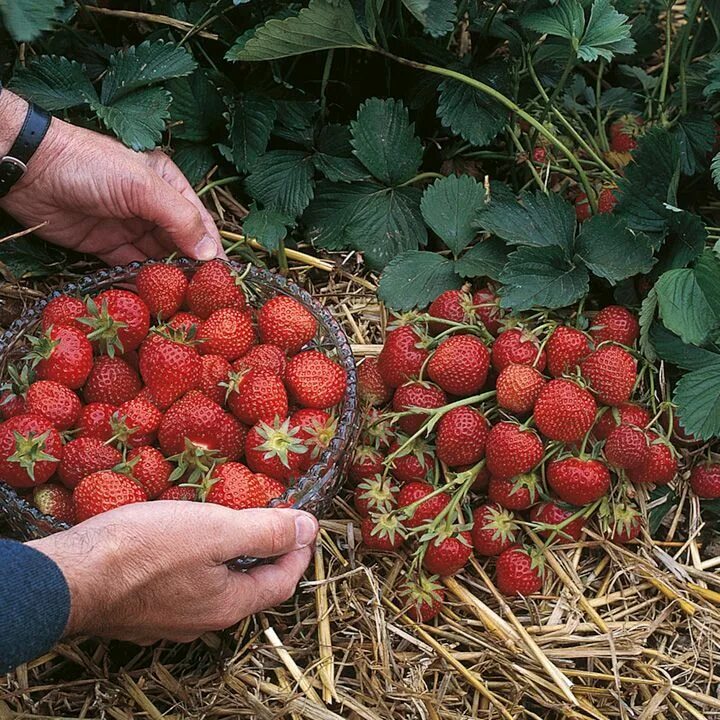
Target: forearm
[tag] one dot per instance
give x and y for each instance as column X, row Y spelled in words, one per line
column 12, row 114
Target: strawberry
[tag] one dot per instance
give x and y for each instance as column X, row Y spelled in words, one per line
column 423, row 599
column 284, row 322
column 136, row 422
column 418, row 511
column 215, row 371
column 185, row 321
column 517, row 347
column 482, row 479
column 212, row 287
column 487, row 309
column 12, row 405
column 414, row 463
column 583, row 211
column 55, row 500
column 234, row 486
column 13, row 393
column 494, row 530
column 375, row 496
column 96, row 421
column 169, row 367
column 453, row 305
column 517, row 493
column 103, row 491
column 273, row 488
column 30, row 450
column 626, row 524
column 448, row 553
column 519, row 571
column 461, row 437
column 518, row 387
column 511, row 450
column 623, row 133
column 660, row 466
column 611, row 372
column 257, row 395
column 551, row 521
column 566, row 348
column 626, row 414
column 705, row 480
column 62, row 354
column 607, row 200
column 564, row 411
column 367, row 462
column 275, row 450
column 65, row 310
column 227, row 332
column 371, row 386
column 314, row 380
column 179, row 492
column 578, row 481
column 539, row 154
column 84, row 456
column 460, row 365
column 378, row 429
column 263, row 357
column 56, row 402
column 382, row 532
column 626, row 447
column 162, row 287
column 402, row 356
column 317, row 429
column 111, row 381
column 615, row 324
column 119, row 321
column 148, row 466
column 416, row 394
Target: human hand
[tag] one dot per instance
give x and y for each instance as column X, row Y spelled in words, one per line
column 146, row 572
column 97, row 196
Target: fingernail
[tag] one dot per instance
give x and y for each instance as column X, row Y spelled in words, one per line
column 305, row 530
column 206, row 249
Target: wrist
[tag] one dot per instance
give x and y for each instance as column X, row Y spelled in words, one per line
column 12, row 114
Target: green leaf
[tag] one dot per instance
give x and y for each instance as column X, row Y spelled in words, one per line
column 450, row 207
column 685, row 242
column 715, row 167
column 697, row 396
column 533, row 219
column 31, row 257
column 142, row 66
column 486, row 258
column 646, row 317
column 197, row 105
column 251, row 122
column 662, row 499
column 566, row 19
column 672, row 349
column 436, row 16
column 268, row 227
column 25, row 20
column 541, row 277
column 333, row 155
column 320, row 26
column 695, row 135
column 415, row 278
column 137, row 119
column 296, row 120
column 611, row 250
column 54, row 83
column 282, row 180
column 712, row 76
column 383, row 139
column 194, row 160
column 607, row 34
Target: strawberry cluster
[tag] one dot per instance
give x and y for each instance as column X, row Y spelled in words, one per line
column 161, row 393
column 484, row 428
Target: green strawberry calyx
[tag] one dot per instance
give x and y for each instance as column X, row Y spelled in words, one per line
column 280, row 440
column 30, row 450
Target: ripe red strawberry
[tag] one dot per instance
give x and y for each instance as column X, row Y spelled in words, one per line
column 376, row 495
column 583, row 211
column 623, row 133
column 461, row 437
column 564, row 411
column 314, row 380
column 162, row 287
column 103, row 491
column 136, row 422
column 284, row 322
column 414, row 463
column 227, row 332
column 626, row 524
column 84, row 456
column 511, row 451
column 539, row 154
column 62, row 354
column 13, row 392
column 96, row 421
column 607, row 200
column 119, row 321
column 448, row 553
column 317, row 429
column 263, row 357
column 660, row 466
column 275, row 450
column 169, row 368
column 423, row 598
column 482, row 479
column 378, row 429
column 367, row 462
column 257, row 395
column 566, row 348
column 56, row 402
column 371, row 386
column 552, row 514
column 453, row 305
column 626, row 414
column 273, row 488
column 519, row 571
column 517, row 493
column 215, row 371
column 185, row 321
column 424, row 511
column 111, row 381
column 30, row 450
column 402, row 356
column 611, row 372
column 494, row 530
column 517, row 347
column 626, row 447
column 11, row 405
column 416, row 394
column 55, row 500
column 65, row 310
column 487, row 309
column 234, row 486
column 705, row 480
column 460, row 365
column 382, row 532
column 518, row 388
column 212, row 287
column 148, row 466
column 615, row 324
column 179, row 492
column 578, row 481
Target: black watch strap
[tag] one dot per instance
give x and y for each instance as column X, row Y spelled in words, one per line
column 14, row 165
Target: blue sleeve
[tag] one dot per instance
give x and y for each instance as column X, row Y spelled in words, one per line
column 34, row 604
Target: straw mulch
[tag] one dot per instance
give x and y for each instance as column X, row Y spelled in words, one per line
column 628, row 633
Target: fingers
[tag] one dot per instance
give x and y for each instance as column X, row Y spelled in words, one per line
column 123, row 255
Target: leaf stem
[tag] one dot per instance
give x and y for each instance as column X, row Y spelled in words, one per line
column 550, row 101
column 666, row 63
column 604, row 143
column 217, row 183
column 422, row 176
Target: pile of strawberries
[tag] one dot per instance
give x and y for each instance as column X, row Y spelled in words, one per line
column 484, row 427
column 159, row 394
